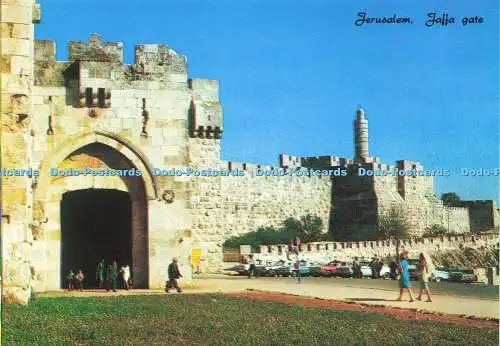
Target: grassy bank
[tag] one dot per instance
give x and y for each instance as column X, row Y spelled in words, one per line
column 215, row 319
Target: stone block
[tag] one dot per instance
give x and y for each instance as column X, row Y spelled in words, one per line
column 11, row 30
column 16, row 295
column 18, row 13
column 16, row 46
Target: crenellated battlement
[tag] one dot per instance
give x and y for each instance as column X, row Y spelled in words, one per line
column 205, row 118
column 314, row 162
column 96, row 50
column 408, row 165
column 104, row 60
column 367, row 249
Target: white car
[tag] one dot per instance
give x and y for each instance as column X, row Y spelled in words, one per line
column 440, row 274
column 366, row 270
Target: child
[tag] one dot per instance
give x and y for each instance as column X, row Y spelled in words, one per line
column 71, row 280
column 79, row 280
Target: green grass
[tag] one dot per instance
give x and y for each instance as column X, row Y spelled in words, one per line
column 215, row 320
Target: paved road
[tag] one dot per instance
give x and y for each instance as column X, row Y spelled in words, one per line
column 375, row 292
column 447, row 288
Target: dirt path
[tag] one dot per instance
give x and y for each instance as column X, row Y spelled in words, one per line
column 399, row 313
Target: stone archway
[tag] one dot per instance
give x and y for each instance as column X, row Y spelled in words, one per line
column 98, row 152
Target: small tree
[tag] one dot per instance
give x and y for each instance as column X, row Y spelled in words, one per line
column 450, row 199
column 393, row 224
column 312, row 228
column 293, row 227
column 435, row 231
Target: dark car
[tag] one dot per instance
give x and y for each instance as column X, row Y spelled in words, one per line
column 315, row 271
column 344, row 272
column 465, row 275
column 242, row 269
column 289, row 270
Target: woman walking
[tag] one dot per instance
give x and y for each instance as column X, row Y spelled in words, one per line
column 404, row 280
column 423, row 277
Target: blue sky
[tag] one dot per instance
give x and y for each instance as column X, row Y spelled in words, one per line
column 293, row 72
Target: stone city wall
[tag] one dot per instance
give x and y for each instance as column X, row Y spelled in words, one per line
column 382, row 248
column 416, row 196
column 234, row 205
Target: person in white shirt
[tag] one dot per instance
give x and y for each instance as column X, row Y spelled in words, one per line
column 125, row 270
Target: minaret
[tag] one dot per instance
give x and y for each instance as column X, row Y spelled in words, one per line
column 360, row 136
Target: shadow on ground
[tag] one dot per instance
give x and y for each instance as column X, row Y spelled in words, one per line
column 371, row 300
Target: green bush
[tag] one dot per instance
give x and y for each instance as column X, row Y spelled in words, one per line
column 308, row 229
column 435, row 231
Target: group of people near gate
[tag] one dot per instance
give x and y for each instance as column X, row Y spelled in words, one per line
column 106, row 277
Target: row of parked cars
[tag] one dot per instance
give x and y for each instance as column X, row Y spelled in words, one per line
column 287, row 268
column 453, row 274
column 344, row 270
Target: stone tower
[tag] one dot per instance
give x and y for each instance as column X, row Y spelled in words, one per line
column 360, row 136
column 17, row 64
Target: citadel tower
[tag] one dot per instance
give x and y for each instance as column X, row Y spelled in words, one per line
column 360, row 136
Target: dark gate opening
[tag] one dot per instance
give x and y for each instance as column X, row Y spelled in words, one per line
column 95, row 224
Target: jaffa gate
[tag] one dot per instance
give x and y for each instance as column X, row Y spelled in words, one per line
column 114, row 161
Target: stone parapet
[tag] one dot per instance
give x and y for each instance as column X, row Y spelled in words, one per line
column 381, row 248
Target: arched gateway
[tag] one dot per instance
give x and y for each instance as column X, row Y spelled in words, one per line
column 80, row 218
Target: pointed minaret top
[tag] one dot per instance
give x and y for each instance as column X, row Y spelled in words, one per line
column 360, row 112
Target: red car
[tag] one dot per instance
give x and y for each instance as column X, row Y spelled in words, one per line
column 329, row 269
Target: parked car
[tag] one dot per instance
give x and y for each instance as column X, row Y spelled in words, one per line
column 272, row 269
column 329, row 269
column 465, row 275
column 289, row 270
column 440, row 274
column 315, row 271
column 366, row 270
column 242, row 269
column 344, row 271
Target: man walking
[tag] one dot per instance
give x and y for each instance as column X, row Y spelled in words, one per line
column 174, row 274
column 251, row 268
column 112, row 275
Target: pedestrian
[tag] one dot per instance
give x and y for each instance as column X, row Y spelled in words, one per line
column 174, row 274
column 71, row 280
column 380, row 265
column 125, row 270
column 393, row 267
column 251, row 267
column 79, row 280
column 112, row 275
column 423, row 277
column 373, row 267
column 355, row 268
column 404, row 280
column 99, row 275
column 297, row 271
